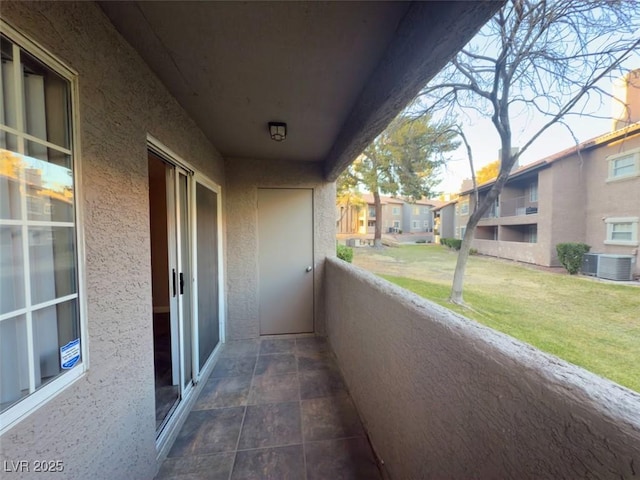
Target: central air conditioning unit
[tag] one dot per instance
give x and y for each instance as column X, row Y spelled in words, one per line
column 615, row 267
column 590, row 264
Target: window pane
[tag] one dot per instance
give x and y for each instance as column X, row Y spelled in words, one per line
column 14, row 377
column 11, row 269
column 7, row 86
column 52, row 258
column 49, row 185
column 10, row 170
column 46, row 101
column 624, row 166
column 53, row 327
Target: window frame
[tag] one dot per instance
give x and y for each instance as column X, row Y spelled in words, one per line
column 464, row 207
column 612, row 159
column 395, row 210
column 611, row 221
column 40, row 397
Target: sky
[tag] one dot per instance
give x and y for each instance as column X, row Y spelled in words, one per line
column 485, row 142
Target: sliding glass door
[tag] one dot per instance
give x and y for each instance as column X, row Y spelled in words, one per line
column 186, row 277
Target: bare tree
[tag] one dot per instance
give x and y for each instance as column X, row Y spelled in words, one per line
column 543, row 58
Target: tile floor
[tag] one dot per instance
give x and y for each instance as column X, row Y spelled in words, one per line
column 273, row 409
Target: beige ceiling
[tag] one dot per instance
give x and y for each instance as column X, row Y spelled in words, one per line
column 234, row 66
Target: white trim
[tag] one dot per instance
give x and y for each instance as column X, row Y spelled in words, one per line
column 31, row 138
column 618, row 220
column 635, row 153
column 164, row 152
column 37, row 398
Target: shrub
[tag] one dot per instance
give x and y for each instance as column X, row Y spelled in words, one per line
column 422, row 240
column 473, row 251
column 453, row 243
column 344, row 253
column 570, row 255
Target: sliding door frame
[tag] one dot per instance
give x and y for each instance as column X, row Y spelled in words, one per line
column 166, row 436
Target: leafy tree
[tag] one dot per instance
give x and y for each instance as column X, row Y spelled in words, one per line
column 403, row 160
column 488, row 172
column 543, row 58
column 348, row 196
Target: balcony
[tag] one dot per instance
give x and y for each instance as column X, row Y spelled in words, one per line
column 444, row 397
column 439, row 396
column 517, row 206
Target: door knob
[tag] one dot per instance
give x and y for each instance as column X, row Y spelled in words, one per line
column 309, row 268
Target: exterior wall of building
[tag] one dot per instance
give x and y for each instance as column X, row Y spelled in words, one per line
column 244, row 177
column 610, row 199
column 409, row 217
column 463, row 401
column 512, row 250
column 103, row 425
column 447, row 221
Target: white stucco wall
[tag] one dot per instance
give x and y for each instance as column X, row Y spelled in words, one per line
column 103, row 426
column 444, row 397
column 244, row 177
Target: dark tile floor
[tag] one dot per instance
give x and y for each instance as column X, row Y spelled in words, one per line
column 273, row 409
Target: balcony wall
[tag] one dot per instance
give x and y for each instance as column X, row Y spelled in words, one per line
column 444, row 397
column 519, row 251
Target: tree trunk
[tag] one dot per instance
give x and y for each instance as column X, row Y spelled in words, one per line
column 461, row 264
column 377, row 237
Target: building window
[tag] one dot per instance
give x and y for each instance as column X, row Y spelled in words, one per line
column 533, row 192
column 464, row 208
column 624, row 165
column 426, row 224
column 425, row 210
column 396, row 224
column 371, row 223
column 372, row 212
column 622, row 231
column 415, row 224
column 395, row 210
column 532, row 234
column 416, row 210
column 40, row 335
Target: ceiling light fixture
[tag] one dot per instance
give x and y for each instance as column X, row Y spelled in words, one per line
column 278, row 131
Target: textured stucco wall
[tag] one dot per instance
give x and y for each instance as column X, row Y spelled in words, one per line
column 244, row 177
column 103, row 426
column 444, row 397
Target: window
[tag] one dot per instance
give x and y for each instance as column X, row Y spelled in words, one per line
column 415, row 224
column 533, row 192
column 532, row 234
column 396, row 224
column 426, row 224
column 41, row 347
column 372, row 212
column 462, row 231
column 464, row 208
column 624, row 165
column 371, row 223
column 622, row 231
column 395, row 210
column 425, row 210
column 416, row 210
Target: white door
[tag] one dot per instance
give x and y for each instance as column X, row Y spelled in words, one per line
column 285, row 260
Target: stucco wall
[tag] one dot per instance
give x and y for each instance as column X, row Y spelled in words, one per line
column 610, row 199
column 444, row 397
column 103, row 426
column 244, row 177
column 519, row 251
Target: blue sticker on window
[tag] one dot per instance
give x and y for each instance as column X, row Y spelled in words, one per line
column 70, row 354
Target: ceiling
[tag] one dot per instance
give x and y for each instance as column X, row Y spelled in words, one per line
column 335, row 72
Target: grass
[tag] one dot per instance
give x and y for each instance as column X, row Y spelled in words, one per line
column 592, row 324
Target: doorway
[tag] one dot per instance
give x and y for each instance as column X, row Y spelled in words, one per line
column 171, row 285
column 285, row 260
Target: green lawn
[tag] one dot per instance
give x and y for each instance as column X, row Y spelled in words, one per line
column 589, row 323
